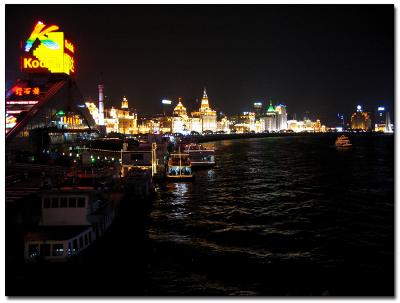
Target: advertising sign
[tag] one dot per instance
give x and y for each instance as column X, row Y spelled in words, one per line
column 47, row 51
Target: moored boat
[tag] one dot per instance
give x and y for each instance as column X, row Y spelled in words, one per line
column 179, row 166
column 72, row 218
column 200, row 156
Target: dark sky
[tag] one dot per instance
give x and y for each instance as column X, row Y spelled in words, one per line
column 321, row 58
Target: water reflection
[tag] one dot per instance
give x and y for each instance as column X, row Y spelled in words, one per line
column 283, row 201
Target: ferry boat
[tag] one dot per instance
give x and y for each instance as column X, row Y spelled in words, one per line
column 200, row 156
column 343, row 142
column 72, row 218
column 179, row 166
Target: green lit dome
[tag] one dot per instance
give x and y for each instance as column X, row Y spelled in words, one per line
column 271, row 108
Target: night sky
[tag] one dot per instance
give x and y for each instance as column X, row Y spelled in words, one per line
column 320, row 58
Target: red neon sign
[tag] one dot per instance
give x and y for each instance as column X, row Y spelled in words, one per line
column 26, row 91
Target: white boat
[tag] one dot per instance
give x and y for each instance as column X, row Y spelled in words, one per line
column 200, row 156
column 179, row 166
column 343, row 142
column 72, row 217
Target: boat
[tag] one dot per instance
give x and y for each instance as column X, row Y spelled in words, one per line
column 200, row 156
column 72, row 218
column 179, row 166
column 138, row 183
column 343, row 142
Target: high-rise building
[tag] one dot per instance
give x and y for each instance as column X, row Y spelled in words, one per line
column 382, row 120
column 281, row 117
column 361, row 120
column 388, row 124
column 269, row 120
column 340, row 121
column 257, row 108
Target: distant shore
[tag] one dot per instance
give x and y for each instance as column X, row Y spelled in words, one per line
column 220, row 137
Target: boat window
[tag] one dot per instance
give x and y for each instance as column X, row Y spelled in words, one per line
column 72, row 202
column 75, row 245
column 58, row 249
column 63, row 202
column 81, row 202
column 33, row 250
column 80, row 242
column 69, row 248
column 45, row 250
column 46, row 203
column 54, row 202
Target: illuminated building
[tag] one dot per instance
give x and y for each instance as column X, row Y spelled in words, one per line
column 305, row 126
column 269, row 120
column 340, row 121
column 207, row 115
column 124, row 103
column 165, row 124
column 180, row 125
column 382, row 120
column 116, row 120
column 180, row 110
column 223, row 125
column 388, row 125
column 180, row 119
column 360, row 120
column 293, row 125
column 196, row 124
column 259, row 126
column 246, row 123
column 257, row 108
column 281, row 117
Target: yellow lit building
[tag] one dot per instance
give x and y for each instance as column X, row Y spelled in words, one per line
column 223, row 125
column 361, row 120
column 247, row 123
column 306, row 126
column 206, row 114
column 116, row 120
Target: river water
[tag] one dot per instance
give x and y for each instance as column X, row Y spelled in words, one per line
column 276, row 216
column 281, row 216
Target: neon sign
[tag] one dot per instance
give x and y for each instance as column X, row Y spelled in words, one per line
column 23, row 91
column 11, row 121
column 53, row 53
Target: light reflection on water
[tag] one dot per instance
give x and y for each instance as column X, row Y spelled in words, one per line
column 279, row 200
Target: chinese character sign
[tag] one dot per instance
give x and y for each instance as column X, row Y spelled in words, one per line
column 26, row 91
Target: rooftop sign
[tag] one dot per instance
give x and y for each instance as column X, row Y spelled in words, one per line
column 47, row 51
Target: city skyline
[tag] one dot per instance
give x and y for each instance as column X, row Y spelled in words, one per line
column 199, row 150
column 267, row 55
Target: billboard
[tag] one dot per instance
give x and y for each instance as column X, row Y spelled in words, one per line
column 47, row 51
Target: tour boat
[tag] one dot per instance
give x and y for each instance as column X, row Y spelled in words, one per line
column 343, row 142
column 200, row 156
column 179, row 166
column 72, row 218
